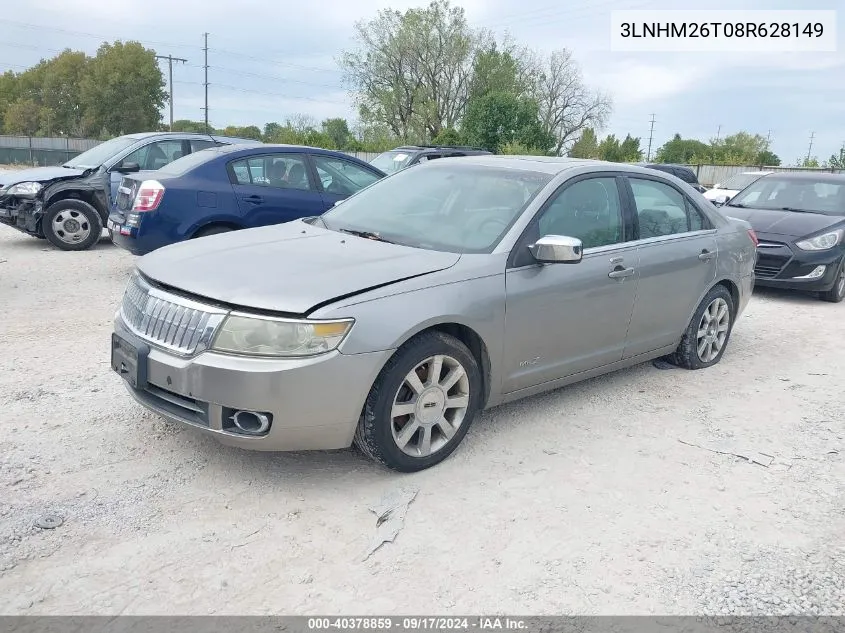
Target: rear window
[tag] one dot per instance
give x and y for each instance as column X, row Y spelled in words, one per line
column 183, row 165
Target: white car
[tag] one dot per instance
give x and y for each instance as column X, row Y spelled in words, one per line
column 734, row 184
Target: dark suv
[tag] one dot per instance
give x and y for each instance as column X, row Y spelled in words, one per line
column 407, row 155
column 681, row 171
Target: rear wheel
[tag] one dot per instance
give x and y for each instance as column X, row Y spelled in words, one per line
column 706, row 337
column 72, row 225
column 422, row 404
column 837, row 293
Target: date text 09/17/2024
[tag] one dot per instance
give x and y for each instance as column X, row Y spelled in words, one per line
column 481, row 623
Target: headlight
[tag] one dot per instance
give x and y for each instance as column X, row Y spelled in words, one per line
column 821, row 242
column 257, row 336
column 24, row 189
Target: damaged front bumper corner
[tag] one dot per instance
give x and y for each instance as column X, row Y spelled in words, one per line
column 23, row 214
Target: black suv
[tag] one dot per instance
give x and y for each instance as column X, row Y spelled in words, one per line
column 407, row 155
column 681, row 171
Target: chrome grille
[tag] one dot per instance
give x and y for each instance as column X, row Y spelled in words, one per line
column 167, row 320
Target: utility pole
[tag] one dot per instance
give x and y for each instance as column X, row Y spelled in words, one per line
column 768, row 139
column 205, row 83
column 810, row 149
column 170, row 59
column 718, row 133
column 650, row 137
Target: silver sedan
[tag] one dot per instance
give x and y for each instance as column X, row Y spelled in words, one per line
column 393, row 319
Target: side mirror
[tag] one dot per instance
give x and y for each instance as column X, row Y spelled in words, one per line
column 557, row 249
column 721, row 200
column 128, row 168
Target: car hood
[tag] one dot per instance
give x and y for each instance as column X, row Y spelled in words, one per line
column 37, row 174
column 787, row 223
column 288, row 268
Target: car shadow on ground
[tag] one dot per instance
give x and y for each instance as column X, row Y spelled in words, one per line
column 791, row 296
column 27, row 243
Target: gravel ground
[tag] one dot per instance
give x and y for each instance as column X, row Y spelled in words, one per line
column 603, row 498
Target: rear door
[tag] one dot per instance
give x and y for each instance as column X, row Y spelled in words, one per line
column 274, row 188
column 677, row 262
column 339, row 178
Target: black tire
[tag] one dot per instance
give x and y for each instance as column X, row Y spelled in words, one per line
column 79, row 211
column 687, row 355
column 374, row 435
column 213, row 229
column 837, row 293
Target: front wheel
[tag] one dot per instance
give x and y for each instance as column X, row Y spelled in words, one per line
column 837, row 293
column 72, row 225
column 422, row 404
column 706, row 337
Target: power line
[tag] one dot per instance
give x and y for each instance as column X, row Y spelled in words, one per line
column 205, row 51
column 650, row 137
column 170, row 59
column 264, row 60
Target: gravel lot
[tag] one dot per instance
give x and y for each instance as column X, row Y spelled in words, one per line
column 585, row 500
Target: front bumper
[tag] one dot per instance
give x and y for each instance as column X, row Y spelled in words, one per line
column 789, row 277
column 315, row 403
column 23, row 214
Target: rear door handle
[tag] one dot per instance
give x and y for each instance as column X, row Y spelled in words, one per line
column 706, row 255
column 253, row 199
column 620, row 273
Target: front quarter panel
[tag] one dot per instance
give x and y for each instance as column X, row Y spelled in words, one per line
column 385, row 320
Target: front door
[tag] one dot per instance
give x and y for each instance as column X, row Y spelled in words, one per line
column 563, row 319
column 274, row 188
column 678, row 257
column 341, row 178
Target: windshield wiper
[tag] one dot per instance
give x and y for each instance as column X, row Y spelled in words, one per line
column 795, row 210
column 738, row 205
column 370, row 235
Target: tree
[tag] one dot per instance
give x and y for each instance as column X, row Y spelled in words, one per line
column 681, row 151
column 587, row 145
column 8, row 93
column 499, row 118
column 495, row 70
column 186, row 125
column 337, row 130
column 123, row 90
column 448, row 136
column 630, row 149
column 60, row 94
column 248, row 131
column 411, row 71
column 741, row 148
column 566, row 105
column 837, row 162
column 515, row 148
column 22, row 118
column 767, row 159
column 809, row 163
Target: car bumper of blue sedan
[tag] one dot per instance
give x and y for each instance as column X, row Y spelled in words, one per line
column 309, row 404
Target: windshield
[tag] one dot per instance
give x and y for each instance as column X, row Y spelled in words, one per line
column 458, row 209
column 824, row 196
column 183, row 165
column 99, row 154
column 391, row 162
column 740, row 181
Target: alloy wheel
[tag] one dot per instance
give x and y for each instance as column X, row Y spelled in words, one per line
column 713, row 330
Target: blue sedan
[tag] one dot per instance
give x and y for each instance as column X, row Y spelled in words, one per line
column 229, row 188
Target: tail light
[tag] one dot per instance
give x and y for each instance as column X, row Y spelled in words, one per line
column 149, row 196
column 753, row 237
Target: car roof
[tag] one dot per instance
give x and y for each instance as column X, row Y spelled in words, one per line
column 815, row 176
column 542, row 164
column 234, row 139
column 440, row 148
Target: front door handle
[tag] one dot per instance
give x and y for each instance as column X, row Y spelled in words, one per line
column 254, row 199
column 706, row 255
column 620, row 273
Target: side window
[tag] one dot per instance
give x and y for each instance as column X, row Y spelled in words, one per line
column 588, row 210
column 342, row 176
column 282, row 171
column 197, row 145
column 663, row 210
column 156, row 155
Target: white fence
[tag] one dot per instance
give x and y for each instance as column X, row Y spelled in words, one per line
column 710, row 175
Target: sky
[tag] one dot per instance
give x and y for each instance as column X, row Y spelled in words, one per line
column 270, row 59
